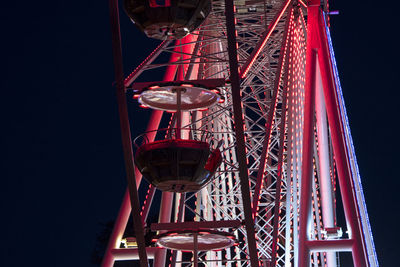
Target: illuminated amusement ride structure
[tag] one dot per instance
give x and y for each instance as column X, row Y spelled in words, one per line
column 257, row 153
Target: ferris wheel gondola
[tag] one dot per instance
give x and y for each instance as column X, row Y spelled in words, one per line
column 167, row 19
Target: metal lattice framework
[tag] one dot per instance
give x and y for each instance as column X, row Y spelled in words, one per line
column 289, row 139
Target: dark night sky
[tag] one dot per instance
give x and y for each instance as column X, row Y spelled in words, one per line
column 62, row 169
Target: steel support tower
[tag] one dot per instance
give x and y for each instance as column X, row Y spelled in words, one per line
column 288, row 157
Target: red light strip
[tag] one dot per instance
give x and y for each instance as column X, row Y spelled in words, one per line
column 302, row 3
column 147, row 203
column 269, row 124
column 260, row 45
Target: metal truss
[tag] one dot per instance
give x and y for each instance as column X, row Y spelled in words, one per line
column 271, row 40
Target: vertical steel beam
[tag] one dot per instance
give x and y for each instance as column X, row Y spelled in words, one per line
column 167, row 197
column 323, row 155
column 118, row 230
column 239, row 131
column 195, row 251
column 317, row 40
column 125, row 131
column 307, row 158
column 323, row 160
column 146, row 207
column 278, row 184
column 303, row 257
column 165, row 216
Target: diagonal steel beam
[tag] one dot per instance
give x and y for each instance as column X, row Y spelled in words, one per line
column 239, row 131
column 268, row 125
column 260, row 45
column 139, row 69
column 125, row 210
column 125, row 131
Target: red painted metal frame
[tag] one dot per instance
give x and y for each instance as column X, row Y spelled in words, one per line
column 339, row 148
column 317, row 41
column 147, row 203
column 307, row 163
column 195, row 52
column 260, row 45
column 239, row 131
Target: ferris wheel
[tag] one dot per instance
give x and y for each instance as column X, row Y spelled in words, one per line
column 257, row 145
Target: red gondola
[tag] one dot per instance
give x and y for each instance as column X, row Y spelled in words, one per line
column 178, row 165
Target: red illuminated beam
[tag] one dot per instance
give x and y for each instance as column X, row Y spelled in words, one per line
column 268, row 124
column 318, row 50
column 278, row 190
column 339, row 147
column 260, row 45
column 302, row 3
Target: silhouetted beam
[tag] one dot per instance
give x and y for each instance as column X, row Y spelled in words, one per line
column 239, row 131
column 125, row 131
